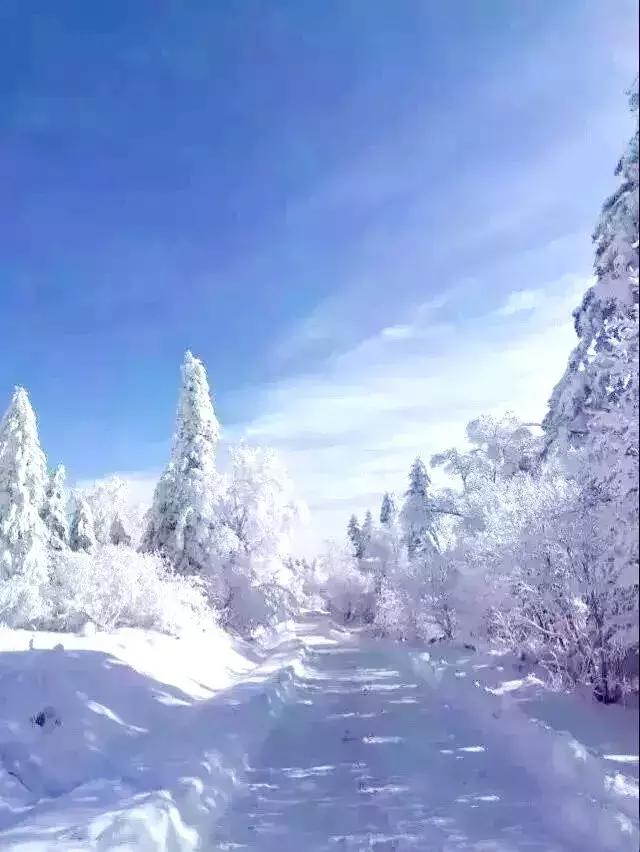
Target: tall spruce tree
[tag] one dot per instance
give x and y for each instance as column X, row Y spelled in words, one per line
column 387, row 510
column 182, row 514
column 354, row 534
column 366, row 533
column 23, row 535
column 416, row 517
column 593, row 422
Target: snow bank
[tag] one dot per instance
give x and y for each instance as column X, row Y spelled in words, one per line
column 131, row 739
column 591, row 800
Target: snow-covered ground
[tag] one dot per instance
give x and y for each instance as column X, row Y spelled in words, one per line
column 319, row 738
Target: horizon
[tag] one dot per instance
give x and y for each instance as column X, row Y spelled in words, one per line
column 345, row 264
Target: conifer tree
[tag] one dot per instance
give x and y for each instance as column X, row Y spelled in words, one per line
column 416, row 517
column 354, row 535
column 82, row 535
column 387, row 510
column 54, row 509
column 182, row 514
column 117, row 533
column 23, row 535
column 366, row 533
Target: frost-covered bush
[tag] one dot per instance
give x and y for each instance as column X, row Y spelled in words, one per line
column 118, row 587
column 118, row 517
column 255, row 592
column 231, row 532
column 251, row 576
column 414, row 602
column 348, row 592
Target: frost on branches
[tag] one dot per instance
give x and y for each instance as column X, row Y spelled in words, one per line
column 117, row 518
column 256, row 582
column 54, row 509
column 82, row 535
column 23, row 535
column 233, row 532
column 535, row 542
column 592, row 423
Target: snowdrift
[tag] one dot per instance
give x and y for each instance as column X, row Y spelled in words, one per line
column 130, row 740
column 583, row 755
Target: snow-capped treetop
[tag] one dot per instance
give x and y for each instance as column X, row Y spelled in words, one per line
column 616, row 235
column 54, row 509
column 419, row 480
column 82, row 534
column 388, row 509
column 197, row 428
column 416, row 516
column 606, row 320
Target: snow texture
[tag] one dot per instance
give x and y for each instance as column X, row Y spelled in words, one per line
column 318, row 738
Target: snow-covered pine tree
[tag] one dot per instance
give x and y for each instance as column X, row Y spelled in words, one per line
column 366, row 533
column 387, row 510
column 416, row 516
column 606, row 320
column 23, row 535
column 593, row 417
column 54, row 509
column 82, row 535
column 182, row 513
column 354, row 534
column 117, row 533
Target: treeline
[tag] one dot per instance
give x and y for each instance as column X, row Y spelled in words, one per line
column 536, row 542
column 211, row 546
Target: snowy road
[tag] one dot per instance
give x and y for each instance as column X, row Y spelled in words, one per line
column 323, row 740
column 368, row 756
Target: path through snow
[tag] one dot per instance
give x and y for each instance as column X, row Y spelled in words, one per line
column 370, row 756
column 329, row 741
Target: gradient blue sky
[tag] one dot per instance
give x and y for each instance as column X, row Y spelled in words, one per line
column 370, row 219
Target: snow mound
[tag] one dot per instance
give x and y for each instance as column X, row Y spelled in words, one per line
column 130, row 739
column 559, row 739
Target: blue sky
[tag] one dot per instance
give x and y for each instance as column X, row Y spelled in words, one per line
column 371, row 220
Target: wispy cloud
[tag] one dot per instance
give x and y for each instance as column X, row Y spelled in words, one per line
column 350, row 429
column 518, row 301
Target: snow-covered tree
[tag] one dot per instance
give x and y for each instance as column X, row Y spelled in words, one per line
column 592, row 422
column 252, row 578
column 388, row 510
column 348, row 591
column 82, row 534
column 23, row 535
column 117, row 533
column 502, row 447
column 117, row 587
column 416, row 516
column 366, row 533
column 182, row 514
column 354, row 534
column 54, row 509
column 113, row 504
column 593, row 381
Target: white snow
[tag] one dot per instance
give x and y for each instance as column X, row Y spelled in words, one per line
column 149, row 742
